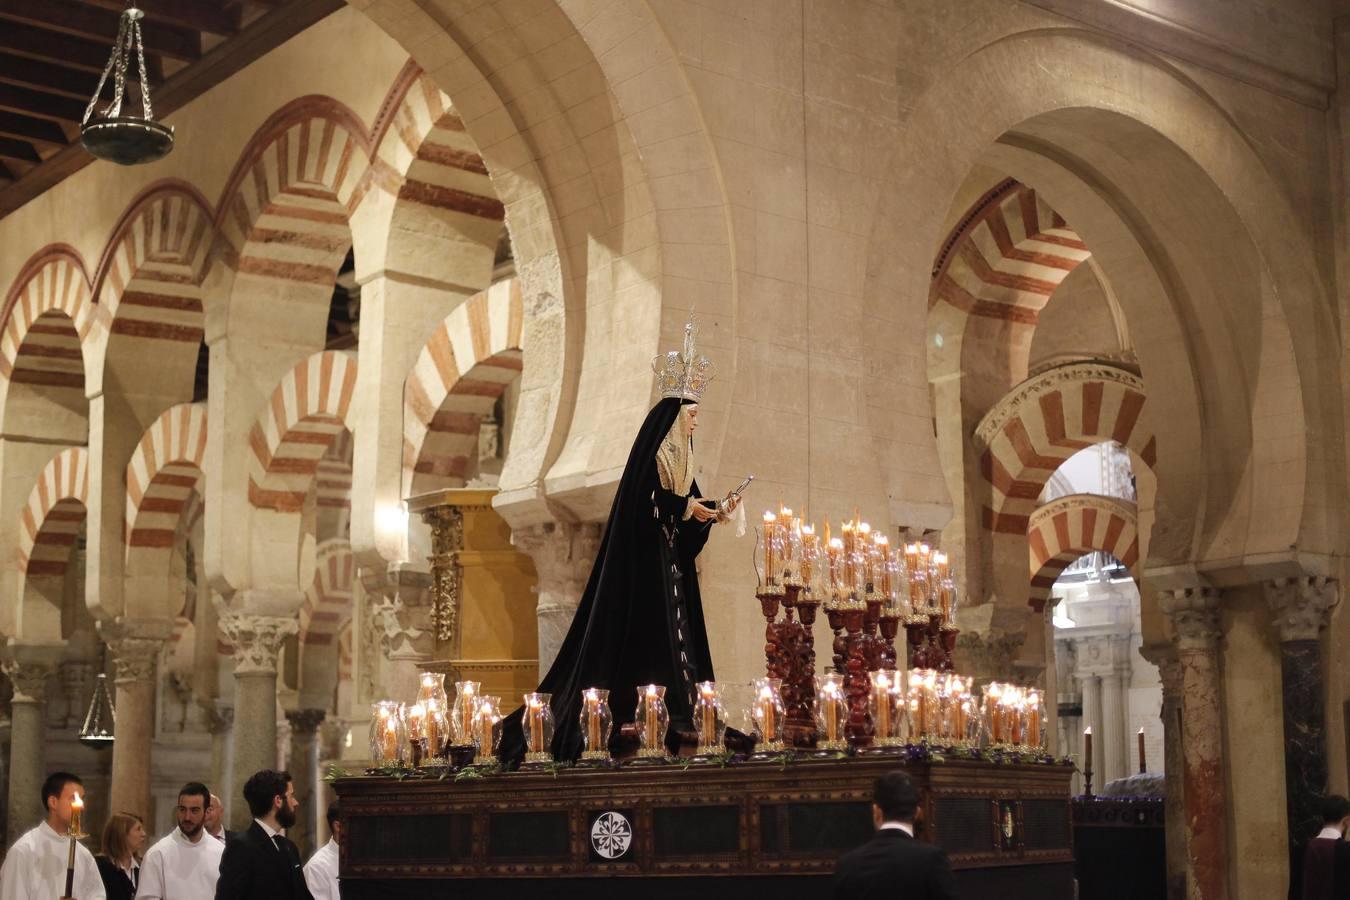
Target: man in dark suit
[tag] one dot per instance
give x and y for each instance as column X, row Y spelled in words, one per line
column 893, row 864
column 1326, row 859
column 260, row 863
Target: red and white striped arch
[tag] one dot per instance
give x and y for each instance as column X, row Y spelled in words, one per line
column 475, row 354
column 48, row 316
column 163, row 476
column 1048, row 418
column 148, row 279
column 1072, row 526
column 51, row 519
column 1006, row 257
column 328, row 602
column 305, row 414
column 333, row 488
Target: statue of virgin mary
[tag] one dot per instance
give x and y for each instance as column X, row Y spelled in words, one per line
column 640, row 620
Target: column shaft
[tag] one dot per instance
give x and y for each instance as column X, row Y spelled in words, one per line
column 1113, row 729
column 28, row 713
column 303, row 766
column 134, row 679
column 1092, row 718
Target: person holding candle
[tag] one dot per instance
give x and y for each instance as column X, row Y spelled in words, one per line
column 37, row 865
column 185, row 863
column 894, row 864
column 119, row 864
column 640, row 619
column 261, row 863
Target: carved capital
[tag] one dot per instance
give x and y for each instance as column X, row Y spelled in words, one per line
column 219, row 718
column 1195, row 617
column 29, row 680
column 256, row 640
column 402, row 630
column 447, row 539
column 134, row 659
column 305, row 722
column 563, row 554
column 1170, row 670
column 1301, row 606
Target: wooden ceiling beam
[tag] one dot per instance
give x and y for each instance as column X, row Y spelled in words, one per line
column 100, row 26
column 37, row 43
column 18, row 150
column 198, row 15
column 46, row 77
column 40, row 105
column 35, row 131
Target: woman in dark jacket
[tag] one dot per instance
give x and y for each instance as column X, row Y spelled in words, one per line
column 124, row 841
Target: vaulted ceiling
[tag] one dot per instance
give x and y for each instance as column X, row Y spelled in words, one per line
column 53, row 51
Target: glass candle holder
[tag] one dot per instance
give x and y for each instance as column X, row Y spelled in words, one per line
column 388, row 738
column 768, row 712
column 710, row 719
column 538, row 725
column 597, row 722
column 831, row 712
column 431, row 687
column 886, row 702
column 1035, row 730
column 437, row 729
column 487, row 730
column 923, row 704
column 652, row 720
column 462, row 713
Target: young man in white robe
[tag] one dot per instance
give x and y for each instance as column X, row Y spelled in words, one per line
column 35, row 867
column 321, row 872
column 185, row 864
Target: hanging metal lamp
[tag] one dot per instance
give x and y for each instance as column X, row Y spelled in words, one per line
column 125, row 139
column 97, row 730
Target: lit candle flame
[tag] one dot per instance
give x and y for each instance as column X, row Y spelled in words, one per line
column 77, row 803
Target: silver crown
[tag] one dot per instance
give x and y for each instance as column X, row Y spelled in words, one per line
column 683, row 373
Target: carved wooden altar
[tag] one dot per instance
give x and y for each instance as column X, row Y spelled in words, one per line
column 748, row 826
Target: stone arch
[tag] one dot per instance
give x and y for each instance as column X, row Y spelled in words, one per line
column 49, row 526
column 1187, row 266
column 461, row 372
column 333, row 489
column 164, row 472
column 48, row 322
column 148, row 284
column 304, row 415
column 327, row 610
column 1042, row 422
column 1064, row 529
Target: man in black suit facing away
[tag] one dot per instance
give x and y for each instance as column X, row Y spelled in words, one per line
column 893, row 865
column 260, row 863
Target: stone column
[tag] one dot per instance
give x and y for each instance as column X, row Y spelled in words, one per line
column 28, row 714
column 1092, row 718
column 257, row 641
column 220, row 723
column 1196, row 631
column 1114, row 757
column 1164, row 656
column 1301, row 608
column 563, row 554
column 403, row 623
column 303, row 766
column 135, row 649
column 75, row 678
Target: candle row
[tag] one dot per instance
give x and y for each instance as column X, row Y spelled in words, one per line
column 1014, row 715
column 941, row 708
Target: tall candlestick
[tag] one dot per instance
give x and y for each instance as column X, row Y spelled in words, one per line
column 1143, row 764
column 76, row 807
column 1087, row 760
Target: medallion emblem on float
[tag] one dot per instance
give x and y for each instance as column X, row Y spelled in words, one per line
column 611, row 835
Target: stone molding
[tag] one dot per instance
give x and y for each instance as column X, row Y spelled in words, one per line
column 1170, row 671
column 1195, row 617
column 1126, row 509
column 1101, row 655
column 29, row 680
column 305, row 722
column 399, row 614
column 1050, row 380
column 1301, row 607
column 256, row 640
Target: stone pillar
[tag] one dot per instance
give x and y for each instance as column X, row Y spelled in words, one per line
column 1174, row 763
column 135, row 648
column 1114, row 756
column 304, row 766
column 399, row 608
column 28, row 714
column 563, row 555
column 1092, row 718
column 220, row 723
column 1301, row 608
column 1196, row 630
column 257, row 641
column 75, row 678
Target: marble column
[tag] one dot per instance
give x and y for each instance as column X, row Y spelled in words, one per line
column 135, row 649
column 75, row 678
column 1169, row 670
column 563, row 554
column 257, row 641
column 1301, row 608
column 220, row 723
column 28, row 714
column 1113, row 728
column 304, row 769
column 1196, row 631
column 1092, row 718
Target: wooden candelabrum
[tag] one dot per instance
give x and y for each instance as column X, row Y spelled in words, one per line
column 858, row 728
column 790, row 656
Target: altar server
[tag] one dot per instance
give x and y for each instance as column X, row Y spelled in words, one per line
column 321, row 872
column 35, row 867
column 185, row 864
column 894, row 865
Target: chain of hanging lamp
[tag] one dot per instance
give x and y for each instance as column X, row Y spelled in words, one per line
column 125, row 139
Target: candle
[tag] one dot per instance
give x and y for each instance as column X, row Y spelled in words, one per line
column 766, row 714
column 708, row 719
column 389, row 742
column 415, row 717
column 881, row 690
column 770, row 526
column 467, row 707
column 593, row 719
column 1087, row 749
column 536, row 726
column 433, row 729
column 1034, row 717
column 76, row 806
column 831, row 729
column 649, row 737
column 1143, row 764
column 808, row 553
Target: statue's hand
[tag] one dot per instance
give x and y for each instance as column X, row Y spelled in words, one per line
column 729, row 505
column 702, row 513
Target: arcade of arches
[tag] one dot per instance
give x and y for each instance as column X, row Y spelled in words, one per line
column 937, row 249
